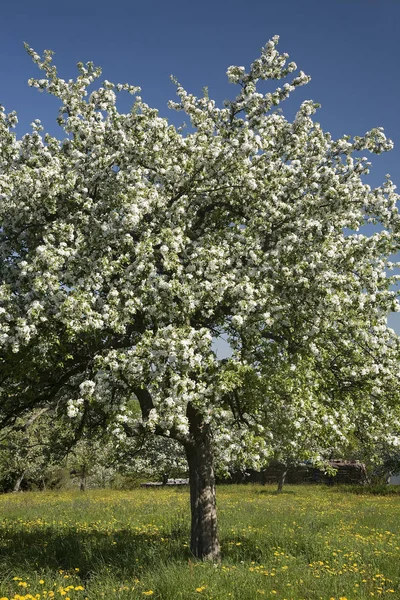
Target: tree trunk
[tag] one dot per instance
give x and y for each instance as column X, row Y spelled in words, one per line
column 204, row 541
column 281, row 479
column 17, row 486
column 82, row 485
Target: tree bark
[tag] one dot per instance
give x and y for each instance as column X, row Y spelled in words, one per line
column 82, row 485
column 281, row 479
column 204, row 541
column 17, row 486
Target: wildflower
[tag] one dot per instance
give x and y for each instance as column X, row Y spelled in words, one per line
column 148, row 593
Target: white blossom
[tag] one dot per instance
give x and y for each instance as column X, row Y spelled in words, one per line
column 130, row 244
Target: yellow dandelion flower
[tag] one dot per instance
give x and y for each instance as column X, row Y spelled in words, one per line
column 148, row 593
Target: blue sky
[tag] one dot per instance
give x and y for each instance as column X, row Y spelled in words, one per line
column 351, row 49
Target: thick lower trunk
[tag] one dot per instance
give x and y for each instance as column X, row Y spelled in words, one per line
column 204, row 542
column 281, row 479
column 17, row 486
column 82, row 485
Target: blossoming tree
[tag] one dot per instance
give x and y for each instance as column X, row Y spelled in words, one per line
column 127, row 246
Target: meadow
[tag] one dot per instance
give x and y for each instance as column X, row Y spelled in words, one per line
column 307, row 543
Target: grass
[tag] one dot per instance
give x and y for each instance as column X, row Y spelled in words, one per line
column 307, row 543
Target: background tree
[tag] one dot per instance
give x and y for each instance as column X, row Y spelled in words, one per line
column 33, row 449
column 127, row 246
column 311, row 410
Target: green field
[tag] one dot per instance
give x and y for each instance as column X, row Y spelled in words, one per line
column 307, row 543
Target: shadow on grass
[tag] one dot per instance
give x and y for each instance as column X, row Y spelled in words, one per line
column 275, row 492
column 124, row 552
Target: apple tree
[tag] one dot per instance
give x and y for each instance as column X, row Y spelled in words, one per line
column 128, row 245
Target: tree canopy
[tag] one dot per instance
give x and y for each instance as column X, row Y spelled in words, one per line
column 128, row 245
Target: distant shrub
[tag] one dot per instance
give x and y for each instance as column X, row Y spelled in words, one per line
column 379, row 489
column 126, row 482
